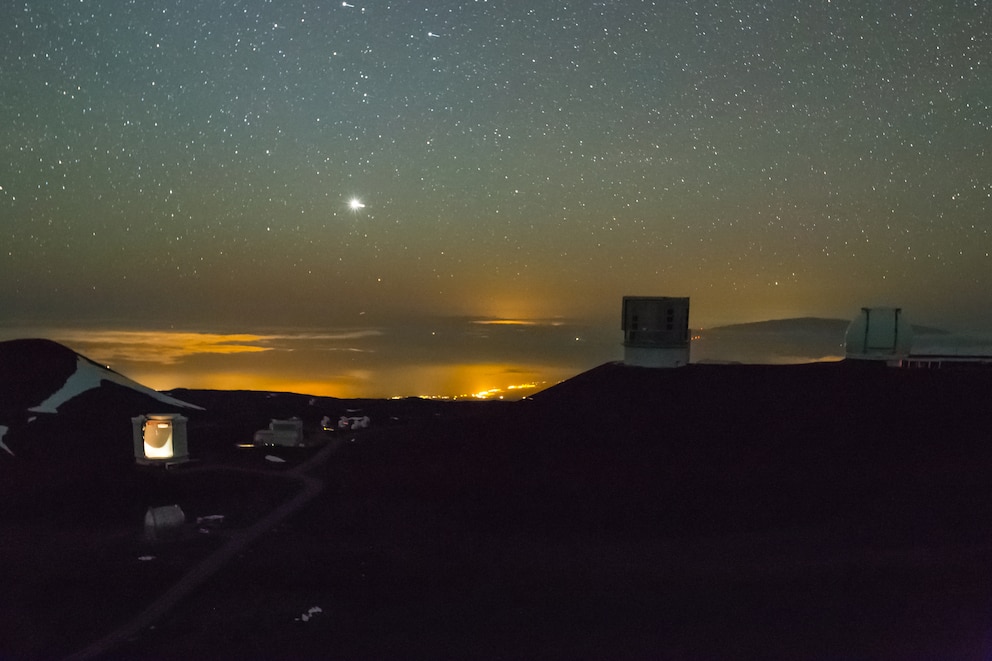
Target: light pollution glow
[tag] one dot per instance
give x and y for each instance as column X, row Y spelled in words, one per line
column 238, row 167
column 481, row 358
column 346, row 363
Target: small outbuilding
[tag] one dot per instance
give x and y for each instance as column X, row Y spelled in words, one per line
column 160, row 438
column 656, row 331
column 285, row 433
column 163, row 523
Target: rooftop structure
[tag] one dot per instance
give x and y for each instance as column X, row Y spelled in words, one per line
column 655, row 331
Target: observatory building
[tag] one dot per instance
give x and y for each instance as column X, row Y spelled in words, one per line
column 884, row 334
column 159, row 438
column 879, row 334
column 287, row 433
column 655, row 331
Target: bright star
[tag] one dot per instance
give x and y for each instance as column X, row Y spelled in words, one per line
column 355, row 204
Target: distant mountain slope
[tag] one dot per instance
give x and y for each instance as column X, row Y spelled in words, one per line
column 780, row 341
column 41, row 375
column 89, row 375
column 799, row 340
column 30, row 371
column 791, row 325
column 807, row 325
column 40, row 379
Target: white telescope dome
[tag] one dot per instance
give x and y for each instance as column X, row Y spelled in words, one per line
column 879, row 334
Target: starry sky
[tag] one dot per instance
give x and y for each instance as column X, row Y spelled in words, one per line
column 380, row 167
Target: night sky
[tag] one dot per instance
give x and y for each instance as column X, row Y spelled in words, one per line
column 239, row 167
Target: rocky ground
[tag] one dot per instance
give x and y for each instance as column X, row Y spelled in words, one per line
column 711, row 512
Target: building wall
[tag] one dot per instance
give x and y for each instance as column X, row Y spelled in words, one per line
column 656, row 356
column 656, row 331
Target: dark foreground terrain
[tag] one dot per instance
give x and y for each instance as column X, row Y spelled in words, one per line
column 824, row 511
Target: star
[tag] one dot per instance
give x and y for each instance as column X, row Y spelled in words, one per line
column 355, row 204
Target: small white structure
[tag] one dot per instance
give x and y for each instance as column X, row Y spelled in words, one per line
column 354, row 422
column 285, row 433
column 656, row 331
column 160, row 438
column 879, row 334
column 162, row 523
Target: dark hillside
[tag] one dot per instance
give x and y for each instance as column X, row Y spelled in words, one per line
column 717, row 512
column 834, row 510
column 29, row 371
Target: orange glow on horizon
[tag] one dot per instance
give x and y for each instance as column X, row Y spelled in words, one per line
column 517, row 322
column 171, row 347
column 164, row 347
column 462, row 381
column 234, row 380
column 304, row 362
column 504, row 322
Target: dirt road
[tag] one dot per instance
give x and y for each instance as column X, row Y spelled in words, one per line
column 196, row 577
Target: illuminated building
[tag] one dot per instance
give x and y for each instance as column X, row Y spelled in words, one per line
column 160, row 438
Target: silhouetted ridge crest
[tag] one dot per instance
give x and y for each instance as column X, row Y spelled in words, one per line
column 32, row 369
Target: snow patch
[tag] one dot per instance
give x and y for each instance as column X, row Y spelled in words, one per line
column 3, row 446
column 210, row 519
column 88, row 376
column 313, row 610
